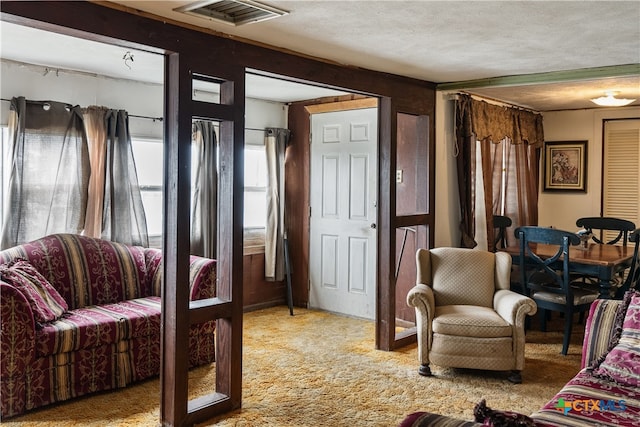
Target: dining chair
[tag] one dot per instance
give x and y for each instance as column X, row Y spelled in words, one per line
column 605, row 231
column 500, row 224
column 604, row 224
column 547, row 281
column 632, row 280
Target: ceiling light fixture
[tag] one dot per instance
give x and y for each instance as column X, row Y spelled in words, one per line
column 610, row 100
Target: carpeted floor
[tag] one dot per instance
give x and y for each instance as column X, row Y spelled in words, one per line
column 319, row 369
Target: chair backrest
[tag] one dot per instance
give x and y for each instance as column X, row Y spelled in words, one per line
column 501, row 223
column 459, row 276
column 532, row 265
column 605, row 223
column 633, row 275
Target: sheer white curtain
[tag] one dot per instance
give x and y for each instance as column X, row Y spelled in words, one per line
column 49, row 171
column 204, row 203
column 276, row 140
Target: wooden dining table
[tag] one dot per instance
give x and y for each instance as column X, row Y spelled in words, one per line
column 596, row 260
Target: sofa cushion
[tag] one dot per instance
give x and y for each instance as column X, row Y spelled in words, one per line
column 94, row 326
column 599, row 329
column 622, row 362
column 588, row 400
column 45, row 301
column 86, row 271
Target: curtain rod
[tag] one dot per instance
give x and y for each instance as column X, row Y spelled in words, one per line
column 154, row 118
column 494, row 101
column 130, row 115
column 147, row 117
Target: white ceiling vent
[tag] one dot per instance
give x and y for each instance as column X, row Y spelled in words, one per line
column 234, row 12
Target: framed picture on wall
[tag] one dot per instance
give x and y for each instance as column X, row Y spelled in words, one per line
column 565, row 166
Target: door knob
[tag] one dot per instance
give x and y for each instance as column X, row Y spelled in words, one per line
column 373, row 225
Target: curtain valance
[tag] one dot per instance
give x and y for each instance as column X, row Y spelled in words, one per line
column 496, row 123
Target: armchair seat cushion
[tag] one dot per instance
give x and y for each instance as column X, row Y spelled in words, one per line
column 95, row 326
column 470, row 321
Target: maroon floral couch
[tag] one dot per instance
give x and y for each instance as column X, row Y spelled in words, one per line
column 606, row 391
column 81, row 315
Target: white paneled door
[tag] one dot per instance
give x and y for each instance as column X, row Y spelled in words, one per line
column 342, row 265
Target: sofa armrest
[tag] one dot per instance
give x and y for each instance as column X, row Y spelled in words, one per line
column 203, row 278
column 17, row 346
column 202, row 275
column 599, row 329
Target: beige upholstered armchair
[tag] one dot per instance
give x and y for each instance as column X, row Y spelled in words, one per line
column 466, row 316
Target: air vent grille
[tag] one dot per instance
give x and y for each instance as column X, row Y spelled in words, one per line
column 234, row 12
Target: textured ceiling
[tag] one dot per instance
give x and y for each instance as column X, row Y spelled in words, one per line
column 457, row 41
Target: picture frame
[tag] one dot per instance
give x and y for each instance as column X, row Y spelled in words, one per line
column 565, row 166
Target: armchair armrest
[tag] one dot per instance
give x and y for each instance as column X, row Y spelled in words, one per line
column 513, row 307
column 421, row 297
column 17, row 346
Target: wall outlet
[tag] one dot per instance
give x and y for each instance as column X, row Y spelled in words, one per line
column 399, row 176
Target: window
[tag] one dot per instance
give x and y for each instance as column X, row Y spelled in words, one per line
column 255, row 187
column 148, row 154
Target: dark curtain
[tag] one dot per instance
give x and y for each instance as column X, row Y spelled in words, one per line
column 204, row 203
column 49, row 171
column 276, row 141
column 123, row 217
column 510, row 144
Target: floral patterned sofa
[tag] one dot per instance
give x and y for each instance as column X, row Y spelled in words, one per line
column 606, row 391
column 81, row 315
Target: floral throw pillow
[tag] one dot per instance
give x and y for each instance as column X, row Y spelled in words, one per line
column 622, row 362
column 45, row 301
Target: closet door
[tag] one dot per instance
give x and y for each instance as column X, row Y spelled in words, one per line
column 621, row 171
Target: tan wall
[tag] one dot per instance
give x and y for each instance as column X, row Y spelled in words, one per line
column 562, row 209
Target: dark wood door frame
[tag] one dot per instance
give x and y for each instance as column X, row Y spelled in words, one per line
column 189, row 49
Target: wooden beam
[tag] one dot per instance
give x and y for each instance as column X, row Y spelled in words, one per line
column 354, row 104
column 543, row 78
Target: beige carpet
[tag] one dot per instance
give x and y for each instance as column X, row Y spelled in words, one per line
column 319, row 369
